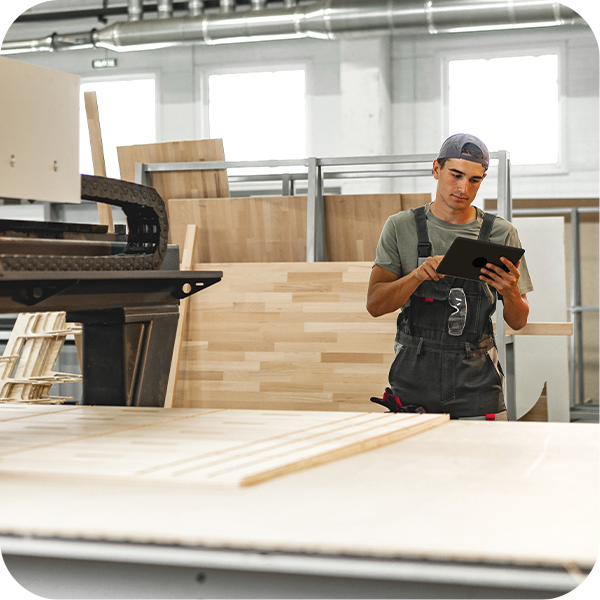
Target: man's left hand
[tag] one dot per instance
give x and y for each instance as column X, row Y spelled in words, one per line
column 505, row 283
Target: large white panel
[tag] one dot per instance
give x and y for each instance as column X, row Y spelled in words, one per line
column 544, row 359
column 39, row 141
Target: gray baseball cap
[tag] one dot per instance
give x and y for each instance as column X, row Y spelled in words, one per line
column 452, row 148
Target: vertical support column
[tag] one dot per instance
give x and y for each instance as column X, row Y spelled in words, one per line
column 142, row 175
column 365, row 85
column 576, row 340
column 506, row 350
column 315, row 213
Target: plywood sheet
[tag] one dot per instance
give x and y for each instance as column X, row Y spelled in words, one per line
column 228, row 447
column 179, row 184
column 285, row 336
column 273, row 228
column 39, row 145
column 514, row 481
column 353, row 223
column 270, row 229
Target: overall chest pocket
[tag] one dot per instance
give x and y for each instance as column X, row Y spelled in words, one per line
column 431, row 308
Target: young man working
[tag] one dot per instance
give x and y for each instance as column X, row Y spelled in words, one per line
column 446, row 356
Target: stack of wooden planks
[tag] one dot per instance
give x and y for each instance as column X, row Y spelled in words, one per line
column 214, row 447
column 273, row 228
column 285, row 336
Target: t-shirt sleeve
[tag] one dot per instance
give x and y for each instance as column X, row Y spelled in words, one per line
column 387, row 255
column 525, row 285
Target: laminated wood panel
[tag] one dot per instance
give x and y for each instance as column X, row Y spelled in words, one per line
column 353, row 223
column 285, row 336
column 273, row 229
column 223, row 447
column 178, row 184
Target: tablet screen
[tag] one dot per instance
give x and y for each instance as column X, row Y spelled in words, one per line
column 466, row 257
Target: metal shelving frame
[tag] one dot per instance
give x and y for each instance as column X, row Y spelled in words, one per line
column 316, row 170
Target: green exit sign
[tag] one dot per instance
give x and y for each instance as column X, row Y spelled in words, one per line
column 104, row 63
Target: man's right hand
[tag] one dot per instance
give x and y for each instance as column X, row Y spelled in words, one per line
column 427, row 271
column 387, row 293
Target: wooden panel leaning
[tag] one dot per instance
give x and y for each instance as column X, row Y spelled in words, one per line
column 178, row 184
column 273, row 229
column 291, row 336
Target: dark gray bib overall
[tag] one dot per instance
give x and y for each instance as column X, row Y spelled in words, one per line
column 446, row 373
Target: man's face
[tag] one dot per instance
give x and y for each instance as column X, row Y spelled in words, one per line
column 458, row 182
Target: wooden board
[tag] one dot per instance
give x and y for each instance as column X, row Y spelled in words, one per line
column 93, row 119
column 273, row 228
column 353, row 223
column 516, row 482
column 285, row 336
column 182, row 184
column 231, row 447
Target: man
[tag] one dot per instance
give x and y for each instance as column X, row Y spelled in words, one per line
column 446, row 356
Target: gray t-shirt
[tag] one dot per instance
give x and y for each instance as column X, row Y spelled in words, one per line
column 397, row 247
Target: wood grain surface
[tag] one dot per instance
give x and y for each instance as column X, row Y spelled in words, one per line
column 273, row 228
column 223, row 447
column 285, row 336
column 515, row 484
column 178, row 184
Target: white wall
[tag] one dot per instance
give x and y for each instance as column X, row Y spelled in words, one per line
column 370, row 96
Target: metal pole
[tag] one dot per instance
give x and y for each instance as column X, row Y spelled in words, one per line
column 576, row 366
column 311, row 211
column 142, row 175
column 286, row 181
column 506, row 352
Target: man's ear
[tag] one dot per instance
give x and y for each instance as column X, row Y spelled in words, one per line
column 436, row 169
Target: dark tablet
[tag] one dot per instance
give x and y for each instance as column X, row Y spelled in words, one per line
column 466, row 257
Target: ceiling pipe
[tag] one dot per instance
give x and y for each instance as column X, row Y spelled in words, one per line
column 325, row 19
column 195, row 8
column 165, row 9
column 135, row 10
column 227, row 6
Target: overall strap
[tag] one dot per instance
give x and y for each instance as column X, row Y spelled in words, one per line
column 486, row 227
column 424, row 245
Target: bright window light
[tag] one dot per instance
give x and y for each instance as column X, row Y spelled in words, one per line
column 510, row 103
column 127, row 117
column 259, row 116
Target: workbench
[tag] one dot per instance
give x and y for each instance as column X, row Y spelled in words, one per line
column 462, row 509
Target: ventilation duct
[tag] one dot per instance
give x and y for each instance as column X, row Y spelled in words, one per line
column 324, row 19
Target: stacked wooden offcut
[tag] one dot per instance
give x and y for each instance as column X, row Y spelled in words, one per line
column 276, row 332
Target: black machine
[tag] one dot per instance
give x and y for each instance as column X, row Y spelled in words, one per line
column 116, row 286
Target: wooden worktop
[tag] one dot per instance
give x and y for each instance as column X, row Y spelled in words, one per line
column 518, row 493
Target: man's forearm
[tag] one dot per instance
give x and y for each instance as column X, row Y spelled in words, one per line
column 516, row 311
column 388, row 296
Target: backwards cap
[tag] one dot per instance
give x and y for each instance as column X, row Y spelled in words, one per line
column 452, row 148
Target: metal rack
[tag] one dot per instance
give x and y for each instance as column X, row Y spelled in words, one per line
column 576, row 309
column 317, row 170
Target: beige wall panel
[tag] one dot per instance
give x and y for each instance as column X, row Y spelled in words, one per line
column 273, row 229
column 292, row 352
column 39, row 140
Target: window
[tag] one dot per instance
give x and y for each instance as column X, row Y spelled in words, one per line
column 510, row 103
column 259, row 116
column 127, row 116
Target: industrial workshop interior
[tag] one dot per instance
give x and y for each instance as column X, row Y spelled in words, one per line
column 299, row 299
